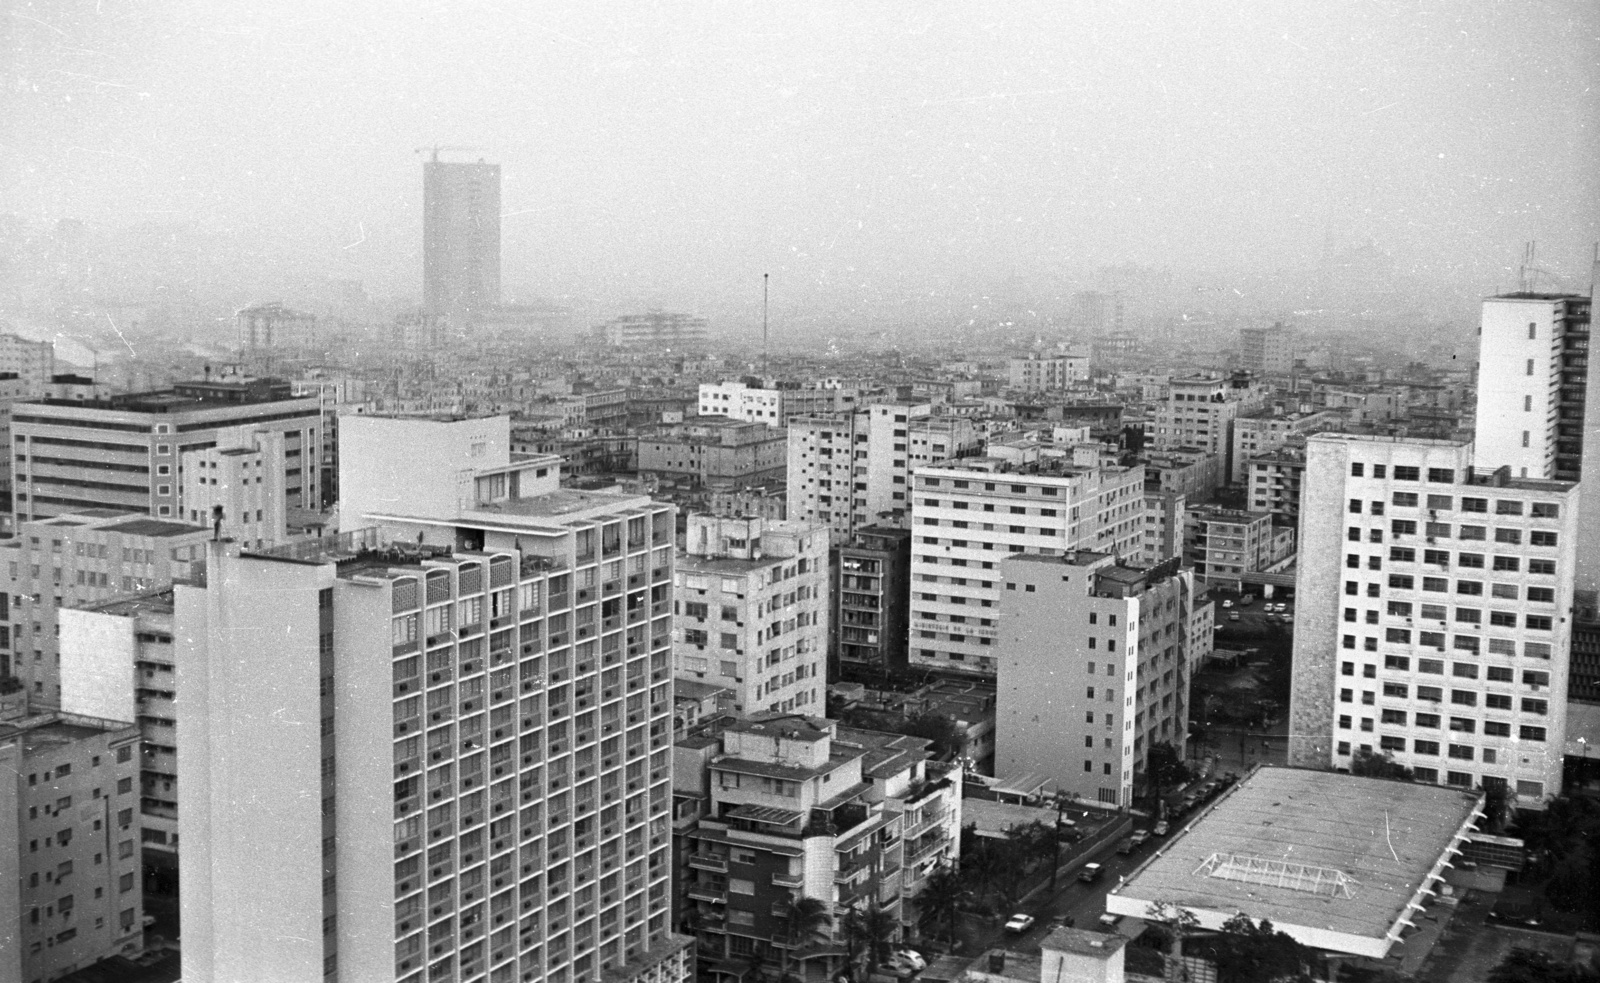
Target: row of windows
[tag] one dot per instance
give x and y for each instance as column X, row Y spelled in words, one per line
column 1433, row 694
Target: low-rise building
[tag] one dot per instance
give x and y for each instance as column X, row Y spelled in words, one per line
column 1222, row 544
column 775, row 808
column 714, row 449
column 1274, row 483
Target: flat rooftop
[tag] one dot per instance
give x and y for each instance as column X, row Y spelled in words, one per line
column 1332, row 859
column 153, row 527
column 560, row 503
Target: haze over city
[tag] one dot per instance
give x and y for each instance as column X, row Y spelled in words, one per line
column 882, row 164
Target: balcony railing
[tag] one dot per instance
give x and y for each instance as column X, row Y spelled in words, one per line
column 708, row 861
column 789, row 880
column 712, row 894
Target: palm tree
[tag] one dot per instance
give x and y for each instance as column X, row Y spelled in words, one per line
column 941, row 896
column 869, row 932
column 806, row 918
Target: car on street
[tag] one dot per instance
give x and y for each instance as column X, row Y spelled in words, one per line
column 1247, row 600
column 908, row 961
column 1108, row 920
column 1061, row 921
column 1161, row 828
column 1227, row 604
column 1139, row 836
column 1233, row 616
column 1190, row 801
column 1126, row 846
column 1019, row 923
column 1090, row 873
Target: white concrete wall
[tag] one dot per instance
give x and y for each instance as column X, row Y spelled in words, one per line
column 249, row 771
column 413, row 466
column 98, row 652
column 1507, row 390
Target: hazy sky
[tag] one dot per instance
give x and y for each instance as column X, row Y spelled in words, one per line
column 675, row 151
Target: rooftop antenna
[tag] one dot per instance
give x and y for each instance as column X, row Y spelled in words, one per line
column 764, row 278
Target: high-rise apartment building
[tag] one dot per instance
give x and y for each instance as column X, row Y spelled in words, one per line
column 752, row 611
column 871, row 599
column 239, row 483
column 117, row 664
column 657, row 329
column 494, row 770
column 1532, row 381
column 1267, row 351
column 773, row 404
column 1432, row 615
column 460, row 238
column 273, row 327
column 69, row 844
column 1037, row 373
column 1094, row 669
column 34, row 362
column 967, row 518
column 1200, row 411
column 125, row 452
column 78, row 559
column 850, row 471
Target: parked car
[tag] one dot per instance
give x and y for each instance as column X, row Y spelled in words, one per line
column 1227, row 604
column 1090, row 873
column 1126, row 846
column 908, row 961
column 1061, row 921
column 1139, row 836
column 1190, row 801
column 1247, row 600
column 1019, row 923
column 1108, row 920
column 1161, row 828
column 1233, row 616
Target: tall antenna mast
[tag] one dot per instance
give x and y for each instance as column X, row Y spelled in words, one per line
column 764, row 278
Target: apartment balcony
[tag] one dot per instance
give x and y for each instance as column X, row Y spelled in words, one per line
column 706, row 893
column 707, row 861
column 794, row 881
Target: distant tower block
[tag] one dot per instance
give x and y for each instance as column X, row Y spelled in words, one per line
column 460, row 238
column 273, row 327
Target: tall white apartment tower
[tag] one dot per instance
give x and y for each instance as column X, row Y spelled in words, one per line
column 1094, row 670
column 478, row 793
column 752, row 611
column 850, row 470
column 966, row 519
column 1433, row 615
column 1532, row 380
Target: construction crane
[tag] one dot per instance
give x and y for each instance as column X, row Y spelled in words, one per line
column 436, row 148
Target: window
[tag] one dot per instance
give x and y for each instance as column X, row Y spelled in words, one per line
column 1508, row 564
column 1542, row 567
column 1540, row 538
column 1511, row 537
column 1430, row 720
column 1433, row 667
column 1441, row 476
column 1498, row 674
column 1531, row 733
column 1473, row 533
column 1539, row 707
column 1402, row 554
column 1357, row 469
column 1399, row 662
column 1538, row 622
column 1533, row 677
column 1463, row 698
column 1405, row 500
column 1403, row 527
column 1394, row 717
column 1436, row 584
column 1494, row 728
column 1389, row 743
column 1461, row 752
column 1439, row 503
column 1464, row 670
column 1546, row 510
column 1405, row 472
column 1397, row 690
column 1425, row 747
column 1472, row 587
column 1472, row 561
column 1355, row 505
column 1497, row 701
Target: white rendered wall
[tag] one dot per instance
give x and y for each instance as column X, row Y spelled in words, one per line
column 412, row 466
column 249, row 771
column 1511, row 400
column 97, row 664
